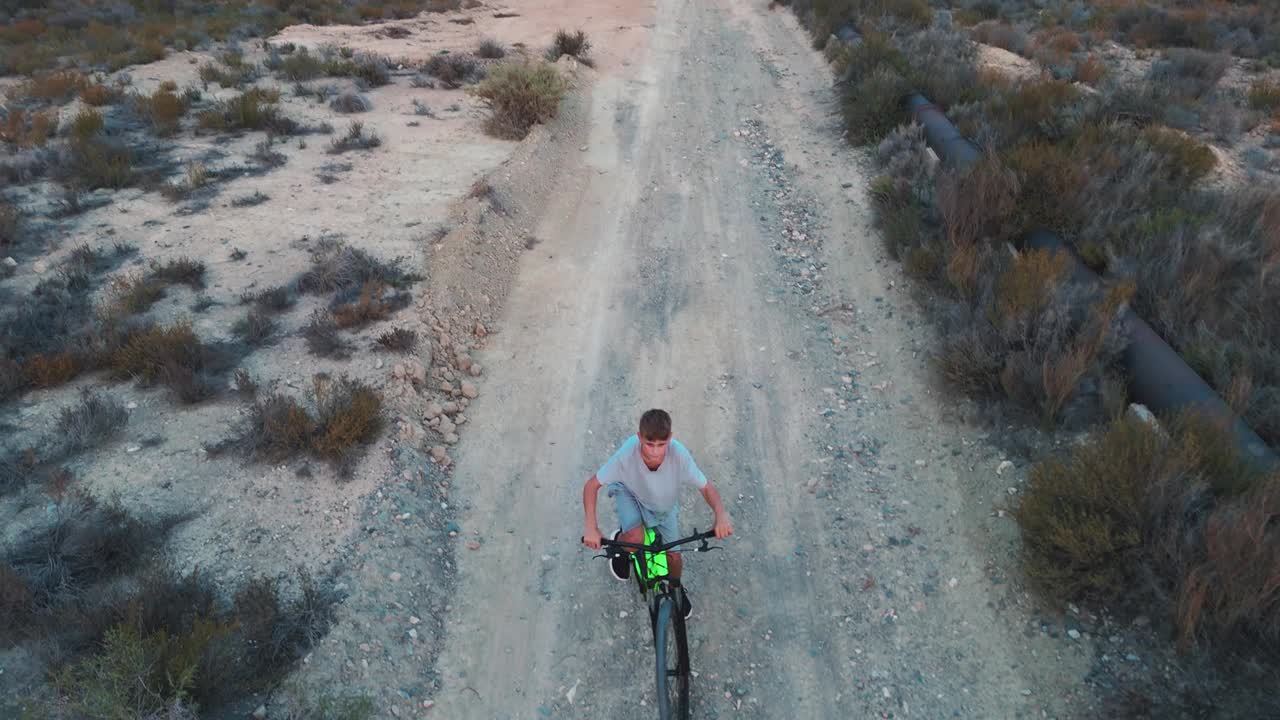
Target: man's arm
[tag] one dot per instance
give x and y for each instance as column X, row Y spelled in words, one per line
column 724, row 526
column 591, row 534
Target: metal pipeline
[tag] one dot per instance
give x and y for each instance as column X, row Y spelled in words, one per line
column 1159, row 378
column 952, row 147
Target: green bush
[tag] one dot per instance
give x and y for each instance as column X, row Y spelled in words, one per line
column 520, row 96
column 98, row 163
column 872, row 106
column 254, row 109
column 1186, row 159
column 1082, row 518
column 1264, row 95
column 301, row 66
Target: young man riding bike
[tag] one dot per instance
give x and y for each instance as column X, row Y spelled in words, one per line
column 644, row 477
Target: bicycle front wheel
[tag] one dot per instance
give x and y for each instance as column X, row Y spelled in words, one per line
column 672, row 651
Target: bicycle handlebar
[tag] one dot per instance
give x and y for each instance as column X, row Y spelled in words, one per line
column 703, row 536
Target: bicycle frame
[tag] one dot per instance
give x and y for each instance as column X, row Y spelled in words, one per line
column 656, row 586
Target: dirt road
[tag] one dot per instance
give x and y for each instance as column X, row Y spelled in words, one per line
column 711, row 253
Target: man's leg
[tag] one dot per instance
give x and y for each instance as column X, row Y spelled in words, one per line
column 631, row 526
column 669, row 526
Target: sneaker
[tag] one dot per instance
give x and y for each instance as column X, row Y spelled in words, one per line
column 620, row 564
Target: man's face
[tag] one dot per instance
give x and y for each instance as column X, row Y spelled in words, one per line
column 653, row 451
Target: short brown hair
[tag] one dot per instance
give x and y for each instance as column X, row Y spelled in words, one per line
column 655, row 424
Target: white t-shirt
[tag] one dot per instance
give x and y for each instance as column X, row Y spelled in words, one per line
column 658, row 490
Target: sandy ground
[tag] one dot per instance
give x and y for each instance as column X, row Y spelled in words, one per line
column 409, row 198
column 691, row 233
column 705, row 255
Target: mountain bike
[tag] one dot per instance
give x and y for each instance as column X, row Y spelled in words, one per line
column 670, row 643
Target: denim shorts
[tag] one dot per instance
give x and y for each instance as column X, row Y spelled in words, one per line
column 631, row 513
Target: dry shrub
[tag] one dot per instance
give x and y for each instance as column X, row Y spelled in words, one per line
column 872, row 106
column 369, row 307
column 301, row 66
column 279, row 429
column 15, row 603
column 491, row 49
column 98, row 163
column 172, row 356
column 1123, row 521
column 85, row 125
column 1264, row 95
column 147, row 352
column 1234, row 592
column 254, row 109
column 182, row 270
column 1189, row 73
column 272, row 300
column 322, row 337
column 1051, row 180
column 94, row 420
column 519, row 97
column 354, row 139
column 10, row 224
column 28, row 130
column 1062, row 373
column 399, row 340
column 975, row 203
column 1186, row 159
column 53, row 87
column 162, row 111
column 348, row 416
column 1034, row 108
column 255, row 328
column 1082, row 518
column 133, row 293
column 1026, row 287
column 567, row 43
column 1000, row 34
column 453, row 70
column 45, row 371
column 350, row 103
column 1055, row 46
column 1090, row 70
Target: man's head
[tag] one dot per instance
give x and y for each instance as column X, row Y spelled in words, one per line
column 655, row 436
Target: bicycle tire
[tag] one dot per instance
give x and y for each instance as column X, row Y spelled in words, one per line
column 672, row 678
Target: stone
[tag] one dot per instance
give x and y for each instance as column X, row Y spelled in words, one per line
column 398, row 370
column 39, row 267
column 469, row 390
column 464, row 362
column 476, row 370
column 395, row 577
column 480, row 330
column 446, row 426
column 451, row 408
column 260, row 713
column 10, row 262
column 433, row 410
column 417, row 372
column 1141, row 412
column 439, row 453
column 451, row 439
